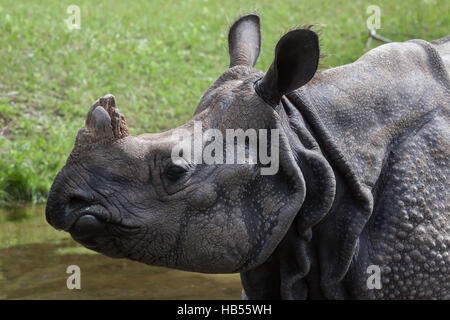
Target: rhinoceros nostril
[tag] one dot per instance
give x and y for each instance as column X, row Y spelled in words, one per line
column 76, row 202
column 62, row 211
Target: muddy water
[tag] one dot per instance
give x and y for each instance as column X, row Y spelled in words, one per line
column 34, row 258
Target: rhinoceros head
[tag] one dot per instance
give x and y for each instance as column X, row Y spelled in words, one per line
column 128, row 196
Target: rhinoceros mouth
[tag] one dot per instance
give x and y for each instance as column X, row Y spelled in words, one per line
column 74, row 215
column 89, row 224
column 87, row 230
column 94, row 230
column 96, row 213
column 92, row 222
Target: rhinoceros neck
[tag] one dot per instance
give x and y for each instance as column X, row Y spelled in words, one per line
column 362, row 110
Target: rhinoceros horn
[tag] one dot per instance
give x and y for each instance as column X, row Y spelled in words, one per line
column 103, row 123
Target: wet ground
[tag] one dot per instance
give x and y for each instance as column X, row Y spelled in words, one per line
column 34, row 258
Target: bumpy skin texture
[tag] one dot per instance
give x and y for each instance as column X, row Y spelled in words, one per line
column 362, row 180
column 387, row 138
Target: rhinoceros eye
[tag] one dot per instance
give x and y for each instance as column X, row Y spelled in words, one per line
column 175, row 172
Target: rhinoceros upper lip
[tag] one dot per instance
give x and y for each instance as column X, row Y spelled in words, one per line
column 97, row 211
column 102, row 214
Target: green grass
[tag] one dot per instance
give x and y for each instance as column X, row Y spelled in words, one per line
column 157, row 57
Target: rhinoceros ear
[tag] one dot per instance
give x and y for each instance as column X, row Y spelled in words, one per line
column 244, row 41
column 295, row 63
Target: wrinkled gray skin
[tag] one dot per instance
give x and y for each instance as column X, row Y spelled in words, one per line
column 363, row 178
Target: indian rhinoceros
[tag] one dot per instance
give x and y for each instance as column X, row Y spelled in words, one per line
column 362, row 184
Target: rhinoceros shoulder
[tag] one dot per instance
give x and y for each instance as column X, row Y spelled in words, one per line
column 364, row 108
